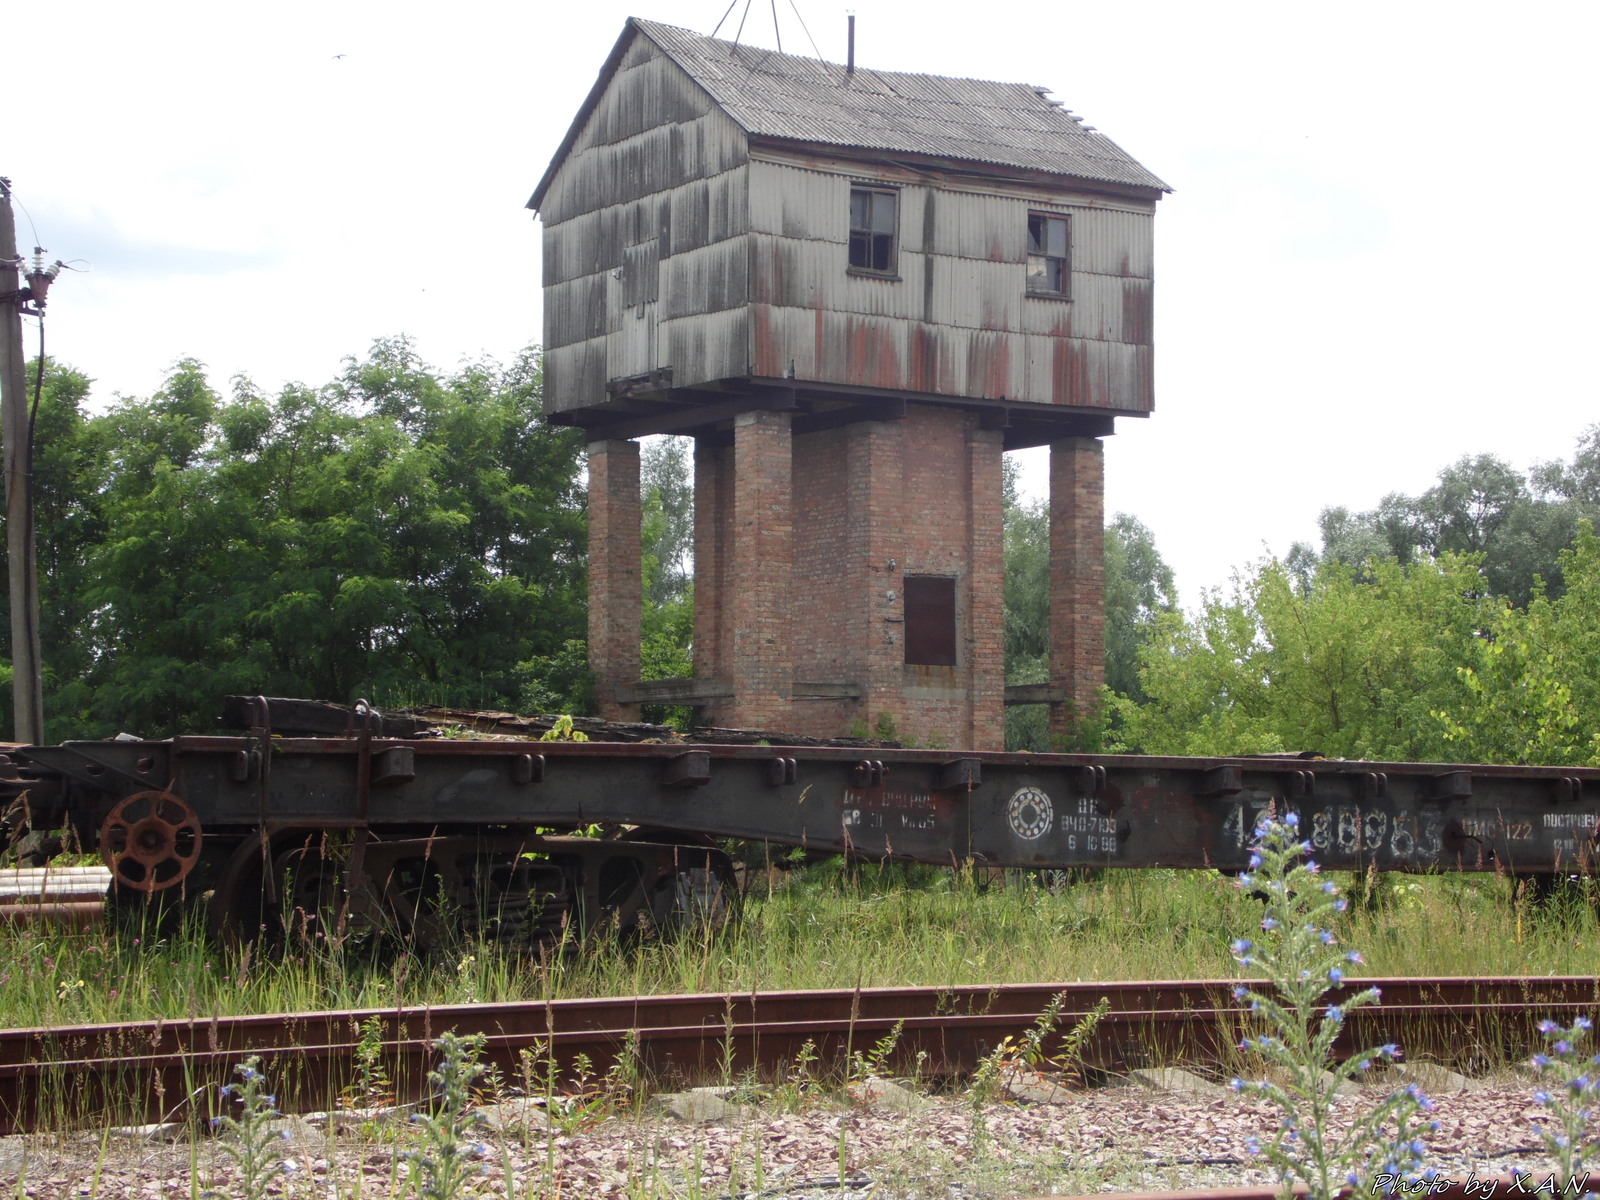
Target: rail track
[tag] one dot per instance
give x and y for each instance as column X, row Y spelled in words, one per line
column 169, row 1069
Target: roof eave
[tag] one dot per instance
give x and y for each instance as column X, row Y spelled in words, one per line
column 868, row 155
column 602, row 81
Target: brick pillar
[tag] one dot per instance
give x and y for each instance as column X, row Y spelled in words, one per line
column 985, row 665
column 760, row 571
column 713, row 510
column 1077, row 579
column 873, row 628
column 614, row 584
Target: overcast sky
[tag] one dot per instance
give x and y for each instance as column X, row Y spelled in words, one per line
column 1379, row 256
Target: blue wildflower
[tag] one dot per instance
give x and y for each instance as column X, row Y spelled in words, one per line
column 1269, row 922
column 1335, row 1013
column 1292, row 820
column 1541, row 1061
column 1563, row 1047
column 1335, row 975
column 1388, row 1050
column 1582, row 1025
column 1354, row 956
column 1242, row 946
column 1549, row 1026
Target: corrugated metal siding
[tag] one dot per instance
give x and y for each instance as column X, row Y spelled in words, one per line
column 574, row 375
column 1088, row 374
column 643, row 225
column 708, row 346
column 794, row 203
column 704, row 211
column 707, row 279
column 970, row 293
column 1109, row 242
column 575, row 311
column 988, row 228
column 659, row 184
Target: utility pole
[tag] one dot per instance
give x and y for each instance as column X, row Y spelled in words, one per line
column 16, row 430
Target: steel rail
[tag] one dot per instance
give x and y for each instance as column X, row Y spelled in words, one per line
column 1503, row 1186
column 155, row 1070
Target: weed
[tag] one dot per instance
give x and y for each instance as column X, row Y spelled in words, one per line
column 372, row 1087
column 799, row 1084
column 255, row 1146
column 447, row 1159
column 863, row 1067
column 1297, row 953
column 1576, row 1079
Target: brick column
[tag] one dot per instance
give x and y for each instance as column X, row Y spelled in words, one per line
column 614, row 584
column 985, row 624
column 873, row 627
column 1077, row 579
column 760, row 571
column 713, row 511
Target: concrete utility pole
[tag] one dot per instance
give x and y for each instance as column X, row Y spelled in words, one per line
column 16, row 430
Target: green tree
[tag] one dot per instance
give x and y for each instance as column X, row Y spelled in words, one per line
column 667, row 563
column 397, row 534
column 1532, row 681
column 1139, row 587
column 1351, row 667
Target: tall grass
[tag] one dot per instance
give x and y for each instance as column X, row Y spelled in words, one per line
column 824, row 927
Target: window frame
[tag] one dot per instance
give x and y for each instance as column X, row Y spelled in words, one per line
column 1064, row 292
column 892, row 195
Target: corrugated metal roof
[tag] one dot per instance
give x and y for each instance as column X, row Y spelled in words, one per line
column 787, row 96
column 801, row 99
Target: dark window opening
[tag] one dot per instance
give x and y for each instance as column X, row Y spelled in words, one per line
column 930, row 620
column 1049, row 254
column 872, row 229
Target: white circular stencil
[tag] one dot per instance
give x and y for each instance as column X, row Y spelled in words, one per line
column 1030, row 813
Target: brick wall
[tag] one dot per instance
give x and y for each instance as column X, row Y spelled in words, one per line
column 802, row 546
column 759, row 574
column 1077, row 579
column 614, row 582
column 713, row 531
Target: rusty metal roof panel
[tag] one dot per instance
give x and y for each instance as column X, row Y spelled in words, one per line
column 789, row 97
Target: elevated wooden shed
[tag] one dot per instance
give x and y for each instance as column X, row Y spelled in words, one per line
column 855, row 289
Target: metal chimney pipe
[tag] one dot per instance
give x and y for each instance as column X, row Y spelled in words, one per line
column 850, row 60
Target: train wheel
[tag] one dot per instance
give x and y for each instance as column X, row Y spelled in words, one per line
column 150, row 841
column 699, row 894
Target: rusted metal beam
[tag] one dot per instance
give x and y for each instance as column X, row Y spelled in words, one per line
column 1030, row 810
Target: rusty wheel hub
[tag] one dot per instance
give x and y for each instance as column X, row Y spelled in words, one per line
column 150, row 841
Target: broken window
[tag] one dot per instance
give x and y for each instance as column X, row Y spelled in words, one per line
column 1049, row 254
column 872, row 230
column 930, row 620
